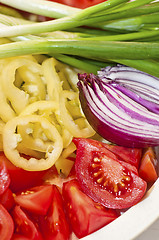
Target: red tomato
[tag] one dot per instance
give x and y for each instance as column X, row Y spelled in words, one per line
column 85, row 215
column 4, row 178
column 7, row 199
column 21, row 179
column 130, row 155
column 6, row 224
column 104, row 178
column 36, row 200
column 19, row 237
column 148, row 167
column 54, row 225
column 79, row 3
column 24, row 225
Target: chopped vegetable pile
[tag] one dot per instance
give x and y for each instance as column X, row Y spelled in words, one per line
column 79, row 114
column 44, row 205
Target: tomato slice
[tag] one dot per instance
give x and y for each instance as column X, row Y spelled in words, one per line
column 24, row 225
column 104, row 178
column 4, row 178
column 148, row 167
column 54, row 225
column 19, row 237
column 130, row 155
column 7, row 199
column 79, row 3
column 36, row 200
column 85, row 215
column 21, row 179
column 6, row 224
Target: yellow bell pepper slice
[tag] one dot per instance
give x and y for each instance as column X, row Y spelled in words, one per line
column 50, row 147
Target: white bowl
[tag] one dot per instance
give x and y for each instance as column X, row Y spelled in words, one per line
column 134, row 221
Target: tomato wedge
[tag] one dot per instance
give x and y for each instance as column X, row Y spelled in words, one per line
column 104, row 178
column 21, row 179
column 148, row 167
column 19, row 237
column 6, row 224
column 7, row 199
column 36, row 200
column 54, row 225
column 4, row 178
column 85, row 215
column 130, row 155
column 24, row 226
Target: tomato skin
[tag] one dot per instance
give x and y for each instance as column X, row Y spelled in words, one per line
column 6, row 224
column 54, row 225
column 148, row 166
column 7, row 199
column 24, row 225
column 19, row 237
column 4, row 178
column 36, row 200
column 85, row 215
column 21, row 179
column 114, row 195
column 130, row 155
column 79, row 3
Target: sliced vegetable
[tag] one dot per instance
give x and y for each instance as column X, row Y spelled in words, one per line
column 54, row 225
column 140, row 86
column 85, row 215
column 130, row 155
column 47, row 149
column 149, row 166
column 36, row 200
column 19, row 237
column 6, row 224
column 104, row 178
column 117, row 113
column 4, row 178
column 7, row 199
column 20, row 178
column 74, row 121
column 24, row 225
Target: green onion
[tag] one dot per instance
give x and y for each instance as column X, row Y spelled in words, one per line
column 78, row 19
column 125, row 32
column 101, row 50
column 77, row 63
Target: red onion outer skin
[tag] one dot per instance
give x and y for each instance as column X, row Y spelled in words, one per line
column 110, row 132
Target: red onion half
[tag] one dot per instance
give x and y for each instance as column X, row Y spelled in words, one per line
column 122, row 105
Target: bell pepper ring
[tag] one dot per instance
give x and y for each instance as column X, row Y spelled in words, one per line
column 51, row 146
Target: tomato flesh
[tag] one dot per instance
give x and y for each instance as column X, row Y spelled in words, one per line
column 85, row 215
column 24, row 225
column 21, row 179
column 4, row 178
column 36, row 200
column 7, row 199
column 6, row 224
column 105, row 178
column 130, row 155
column 54, row 225
column 148, row 166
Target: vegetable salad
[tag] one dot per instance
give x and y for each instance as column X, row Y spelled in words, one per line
column 58, row 178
